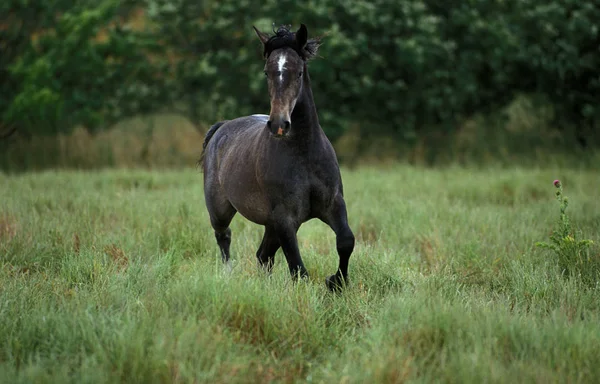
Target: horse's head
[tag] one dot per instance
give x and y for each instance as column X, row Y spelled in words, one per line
column 286, row 54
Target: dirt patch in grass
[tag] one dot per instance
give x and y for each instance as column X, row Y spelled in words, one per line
column 8, row 228
column 117, row 255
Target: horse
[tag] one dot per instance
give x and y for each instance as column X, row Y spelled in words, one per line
column 278, row 170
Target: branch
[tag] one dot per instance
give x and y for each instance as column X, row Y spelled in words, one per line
column 8, row 133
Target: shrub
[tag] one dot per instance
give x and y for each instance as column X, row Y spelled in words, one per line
column 572, row 253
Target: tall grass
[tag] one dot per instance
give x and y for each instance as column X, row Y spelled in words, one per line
column 522, row 133
column 114, row 276
column 155, row 141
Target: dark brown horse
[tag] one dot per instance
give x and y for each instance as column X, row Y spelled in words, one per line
column 280, row 170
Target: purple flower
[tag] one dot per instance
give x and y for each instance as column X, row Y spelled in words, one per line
column 557, row 183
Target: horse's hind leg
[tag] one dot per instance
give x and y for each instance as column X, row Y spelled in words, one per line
column 221, row 213
column 338, row 221
column 268, row 248
column 224, row 241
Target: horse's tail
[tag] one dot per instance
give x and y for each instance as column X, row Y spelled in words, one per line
column 209, row 136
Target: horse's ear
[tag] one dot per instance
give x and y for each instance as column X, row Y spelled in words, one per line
column 302, row 36
column 262, row 36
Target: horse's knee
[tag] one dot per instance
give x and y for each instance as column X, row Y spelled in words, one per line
column 345, row 242
column 223, row 235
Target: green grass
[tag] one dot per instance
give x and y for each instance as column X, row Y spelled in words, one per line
column 114, row 276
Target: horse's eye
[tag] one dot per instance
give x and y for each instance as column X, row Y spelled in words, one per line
column 300, row 75
column 265, row 72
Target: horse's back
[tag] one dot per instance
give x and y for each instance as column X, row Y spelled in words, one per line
column 227, row 133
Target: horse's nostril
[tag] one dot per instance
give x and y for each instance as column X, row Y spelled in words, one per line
column 269, row 124
column 287, row 124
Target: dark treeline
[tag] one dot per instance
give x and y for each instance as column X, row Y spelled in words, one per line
column 405, row 69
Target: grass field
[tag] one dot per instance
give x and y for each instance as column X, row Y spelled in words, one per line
column 114, row 276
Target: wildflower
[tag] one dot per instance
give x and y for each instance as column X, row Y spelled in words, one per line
column 572, row 254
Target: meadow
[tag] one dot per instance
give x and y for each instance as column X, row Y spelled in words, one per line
column 114, row 276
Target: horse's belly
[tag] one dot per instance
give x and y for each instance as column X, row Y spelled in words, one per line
column 252, row 207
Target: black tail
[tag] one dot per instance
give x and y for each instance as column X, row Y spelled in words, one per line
column 208, row 136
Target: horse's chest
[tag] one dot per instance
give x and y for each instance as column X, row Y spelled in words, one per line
column 322, row 194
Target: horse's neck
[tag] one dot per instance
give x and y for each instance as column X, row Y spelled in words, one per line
column 304, row 115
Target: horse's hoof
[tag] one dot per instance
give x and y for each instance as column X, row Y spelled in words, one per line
column 335, row 283
column 300, row 275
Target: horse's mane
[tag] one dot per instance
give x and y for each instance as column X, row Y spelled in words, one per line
column 285, row 38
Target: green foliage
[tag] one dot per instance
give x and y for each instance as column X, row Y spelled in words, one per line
column 115, row 277
column 77, row 66
column 412, row 69
column 558, row 58
column 573, row 255
column 404, row 67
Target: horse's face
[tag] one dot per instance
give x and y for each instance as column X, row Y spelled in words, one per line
column 284, row 70
column 286, row 54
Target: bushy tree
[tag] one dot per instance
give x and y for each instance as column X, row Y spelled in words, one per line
column 67, row 63
column 398, row 67
column 395, row 67
column 559, row 58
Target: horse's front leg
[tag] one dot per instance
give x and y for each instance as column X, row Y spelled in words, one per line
column 337, row 219
column 286, row 234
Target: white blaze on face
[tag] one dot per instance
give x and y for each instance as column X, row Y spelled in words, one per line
column 281, row 65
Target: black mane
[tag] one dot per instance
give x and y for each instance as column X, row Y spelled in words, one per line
column 284, row 38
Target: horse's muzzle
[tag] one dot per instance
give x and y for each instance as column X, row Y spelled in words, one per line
column 279, row 127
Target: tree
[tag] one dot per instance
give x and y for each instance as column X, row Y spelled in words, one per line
column 68, row 63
